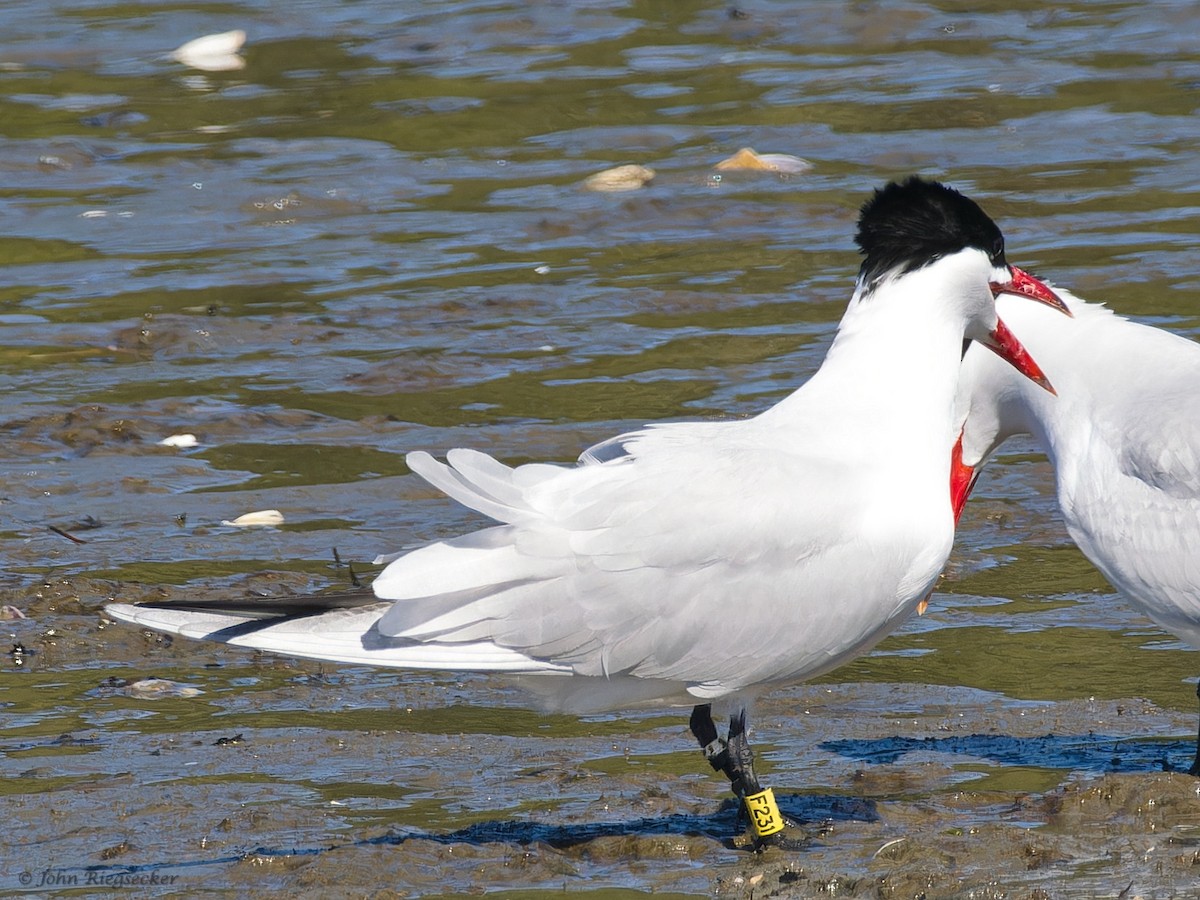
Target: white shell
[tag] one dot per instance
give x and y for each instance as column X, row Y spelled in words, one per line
column 621, row 178
column 183, row 441
column 160, row 688
column 213, row 52
column 261, row 517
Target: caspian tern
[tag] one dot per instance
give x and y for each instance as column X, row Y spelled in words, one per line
column 1124, row 442
column 698, row 562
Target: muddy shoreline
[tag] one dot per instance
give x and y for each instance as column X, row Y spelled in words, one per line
column 259, row 773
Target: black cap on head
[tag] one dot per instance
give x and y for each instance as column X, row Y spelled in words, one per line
column 914, row 222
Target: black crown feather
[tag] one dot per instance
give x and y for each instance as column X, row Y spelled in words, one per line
column 910, row 224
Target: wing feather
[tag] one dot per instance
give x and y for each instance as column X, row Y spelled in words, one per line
column 1159, row 442
column 606, row 571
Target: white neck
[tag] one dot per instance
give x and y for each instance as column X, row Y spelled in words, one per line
column 1084, row 357
column 887, row 385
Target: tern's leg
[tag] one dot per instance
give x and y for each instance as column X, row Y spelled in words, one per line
column 741, row 758
column 705, row 732
column 735, row 758
column 1195, row 769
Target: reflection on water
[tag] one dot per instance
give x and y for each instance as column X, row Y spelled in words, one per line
column 373, row 238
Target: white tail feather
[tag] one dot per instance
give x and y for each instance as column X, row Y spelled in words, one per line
column 478, row 560
column 457, row 485
column 337, row 636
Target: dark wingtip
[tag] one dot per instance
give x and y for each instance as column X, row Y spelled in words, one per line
column 273, row 607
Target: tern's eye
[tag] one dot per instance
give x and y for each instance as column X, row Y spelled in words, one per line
column 998, row 248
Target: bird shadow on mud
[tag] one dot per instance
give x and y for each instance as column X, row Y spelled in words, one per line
column 720, row 826
column 1089, row 753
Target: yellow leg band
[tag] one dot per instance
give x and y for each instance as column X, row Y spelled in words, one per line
column 765, row 818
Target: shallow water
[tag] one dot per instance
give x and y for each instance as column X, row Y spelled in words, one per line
column 373, row 238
